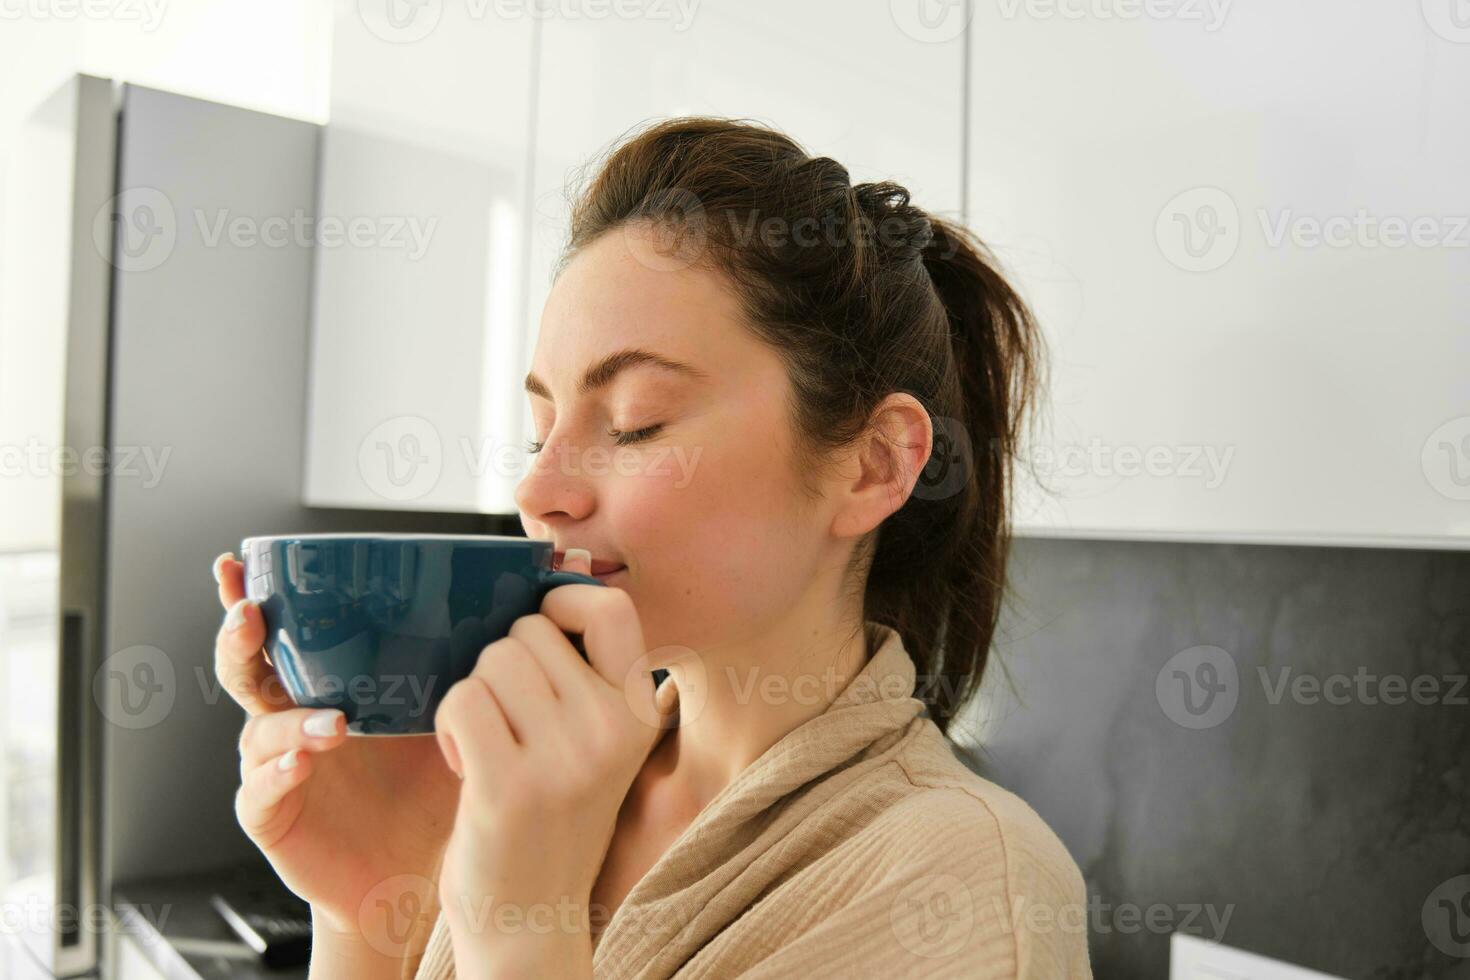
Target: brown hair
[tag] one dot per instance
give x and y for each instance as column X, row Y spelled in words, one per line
column 862, row 294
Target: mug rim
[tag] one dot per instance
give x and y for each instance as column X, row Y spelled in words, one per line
column 397, row 535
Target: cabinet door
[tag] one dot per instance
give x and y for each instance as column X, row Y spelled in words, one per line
column 856, row 82
column 1244, row 229
column 418, row 303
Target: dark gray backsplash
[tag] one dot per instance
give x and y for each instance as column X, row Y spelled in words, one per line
column 1288, row 825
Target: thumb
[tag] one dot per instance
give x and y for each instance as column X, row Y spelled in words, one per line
column 577, row 560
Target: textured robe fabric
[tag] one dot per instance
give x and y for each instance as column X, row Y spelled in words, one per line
column 858, row 845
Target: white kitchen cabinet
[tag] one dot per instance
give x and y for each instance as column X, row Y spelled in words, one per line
column 855, row 82
column 474, row 117
column 1238, row 355
column 418, row 316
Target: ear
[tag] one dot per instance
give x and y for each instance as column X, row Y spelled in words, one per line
column 878, row 475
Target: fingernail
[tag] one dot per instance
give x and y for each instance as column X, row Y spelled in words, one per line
column 215, row 568
column 450, row 752
column 288, row 761
column 236, row 616
column 575, row 553
column 323, row 722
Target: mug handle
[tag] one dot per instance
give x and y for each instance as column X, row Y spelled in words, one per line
column 550, row 580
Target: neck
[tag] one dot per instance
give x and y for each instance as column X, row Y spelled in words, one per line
column 750, row 693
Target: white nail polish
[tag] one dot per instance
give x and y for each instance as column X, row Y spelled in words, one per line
column 236, row 617
column 288, row 761
column 572, row 553
column 219, row 558
column 323, row 722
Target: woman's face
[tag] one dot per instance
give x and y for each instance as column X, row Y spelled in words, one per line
column 705, row 512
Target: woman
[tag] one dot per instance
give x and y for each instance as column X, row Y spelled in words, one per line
column 759, row 389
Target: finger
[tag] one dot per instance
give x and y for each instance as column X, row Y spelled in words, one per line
column 576, row 560
column 239, row 661
column 520, row 686
column 607, row 621
column 269, row 797
column 563, row 666
column 471, row 728
column 229, row 572
column 267, row 736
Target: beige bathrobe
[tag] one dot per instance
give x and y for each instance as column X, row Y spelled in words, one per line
column 856, row 846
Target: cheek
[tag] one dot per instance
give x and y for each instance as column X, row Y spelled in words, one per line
column 714, row 531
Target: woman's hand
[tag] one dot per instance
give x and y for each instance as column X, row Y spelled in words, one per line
column 349, row 823
column 548, row 745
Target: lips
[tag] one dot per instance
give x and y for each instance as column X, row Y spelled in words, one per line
column 600, row 566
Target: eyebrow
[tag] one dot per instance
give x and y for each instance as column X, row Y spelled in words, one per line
column 602, row 372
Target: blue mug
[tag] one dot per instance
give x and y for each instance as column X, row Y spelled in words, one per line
column 380, row 626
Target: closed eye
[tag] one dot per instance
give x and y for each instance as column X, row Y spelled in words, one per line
column 621, row 438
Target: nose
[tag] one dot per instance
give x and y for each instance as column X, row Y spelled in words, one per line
column 554, row 490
